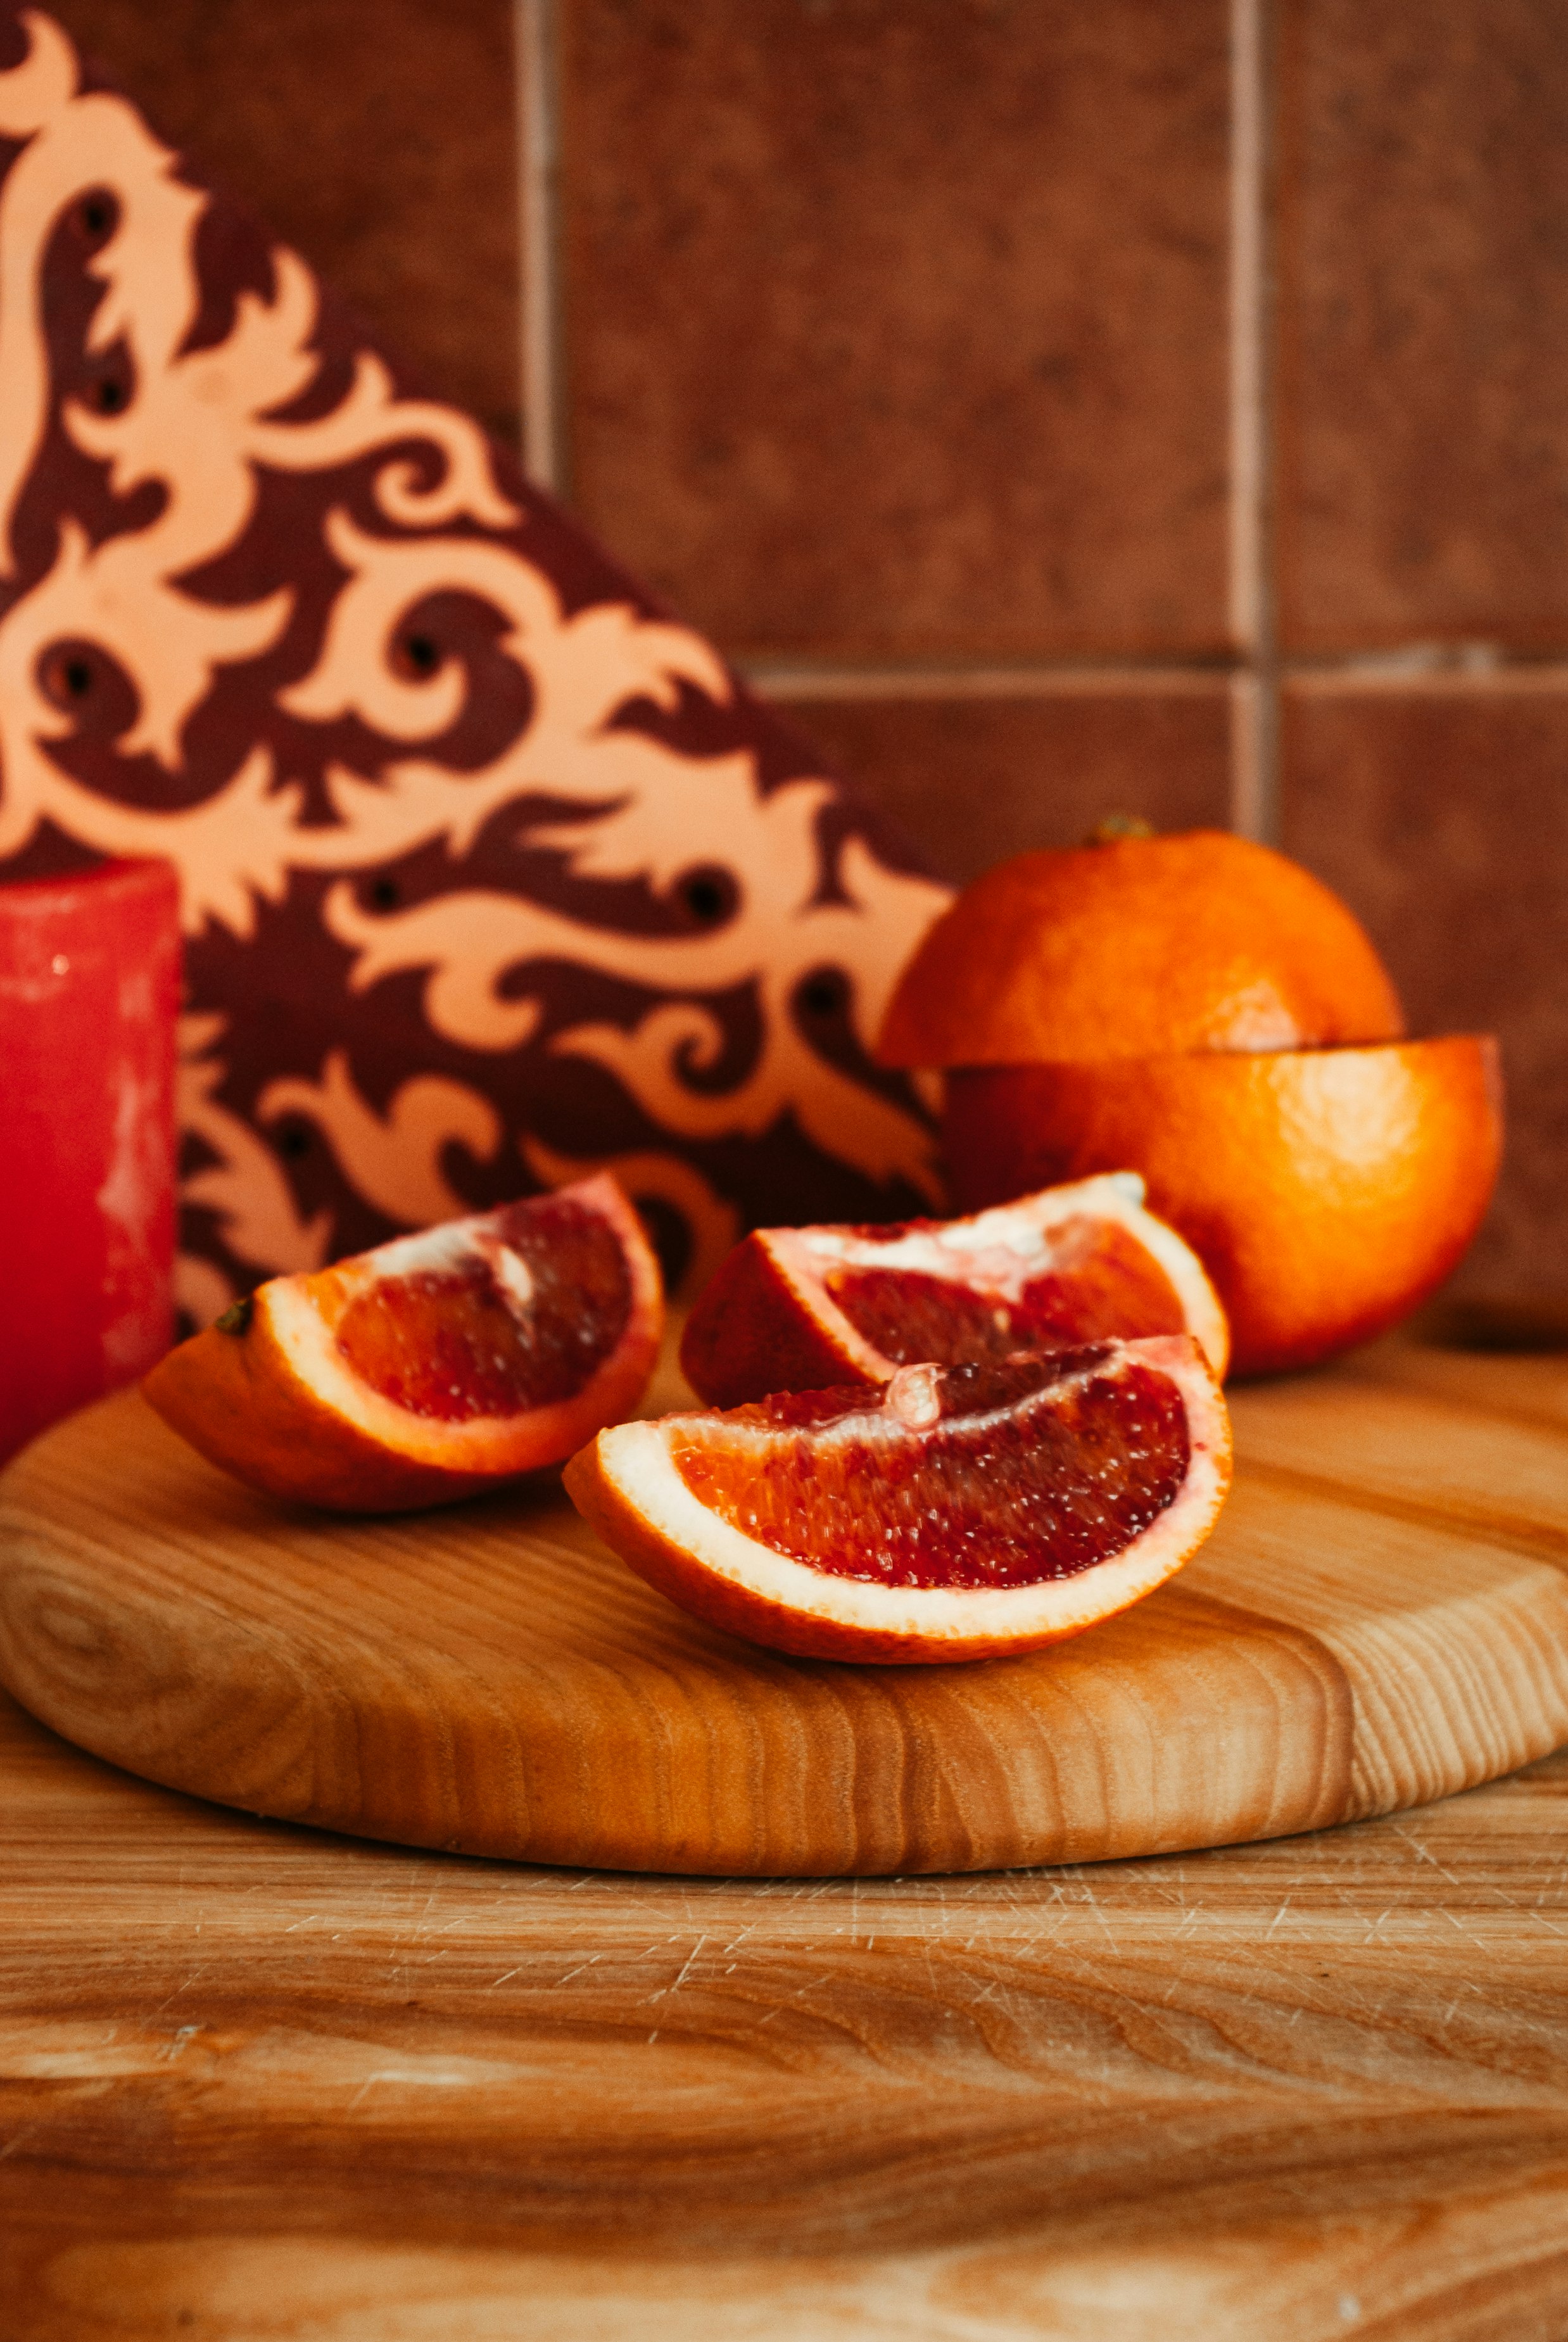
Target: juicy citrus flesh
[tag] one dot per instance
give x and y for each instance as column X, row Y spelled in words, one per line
column 816, row 1308
column 1102, row 1281
column 525, row 1317
column 1139, row 947
column 1036, row 1467
column 432, row 1366
column 916, row 1526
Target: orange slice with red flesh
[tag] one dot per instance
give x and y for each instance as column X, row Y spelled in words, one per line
column 819, row 1308
column 432, row 1366
column 956, row 1513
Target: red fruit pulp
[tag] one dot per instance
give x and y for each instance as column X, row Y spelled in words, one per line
column 1036, row 1468
column 1101, row 1282
column 522, row 1322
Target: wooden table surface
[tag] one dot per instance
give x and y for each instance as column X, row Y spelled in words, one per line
column 255, row 2081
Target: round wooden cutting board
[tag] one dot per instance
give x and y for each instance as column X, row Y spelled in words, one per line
column 490, row 1679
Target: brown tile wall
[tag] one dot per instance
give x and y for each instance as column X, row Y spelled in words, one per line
column 1029, row 392
column 1423, row 501
column 980, row 777
column 378, row 136
column 1423, row 257
column 1442, row 813
column 933, row 295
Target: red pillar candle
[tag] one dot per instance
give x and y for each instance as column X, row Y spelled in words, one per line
column 89, row 992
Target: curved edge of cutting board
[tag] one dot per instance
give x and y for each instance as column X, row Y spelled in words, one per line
column 489, row 1679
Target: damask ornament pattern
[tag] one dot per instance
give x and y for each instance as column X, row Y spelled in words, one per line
column 491, row 873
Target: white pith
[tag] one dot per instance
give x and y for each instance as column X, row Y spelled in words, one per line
column 1001, row 1251
column 450, row 1246
column 635, row 1459
column 290, row 1307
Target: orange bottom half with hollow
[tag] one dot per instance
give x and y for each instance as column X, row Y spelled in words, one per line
column 1327, row 1192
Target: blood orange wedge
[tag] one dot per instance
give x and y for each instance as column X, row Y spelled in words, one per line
column 813, row 1308
column 432, row 1366
column 958, row 1513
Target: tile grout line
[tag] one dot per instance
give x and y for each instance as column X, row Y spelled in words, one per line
column 1413, row 668
column 540, row 354
column 1393, row 674
column 1255, row 690
column 805, row 680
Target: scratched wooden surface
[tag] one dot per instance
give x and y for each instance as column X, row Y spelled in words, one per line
column 259, row 2082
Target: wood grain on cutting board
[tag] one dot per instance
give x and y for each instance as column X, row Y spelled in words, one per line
column 490, row 1679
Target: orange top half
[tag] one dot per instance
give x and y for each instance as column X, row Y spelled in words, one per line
column 1146, row 947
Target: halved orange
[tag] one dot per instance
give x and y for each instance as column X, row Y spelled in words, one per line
column 1139, row 947
column 1326, row 1191
column 432, row 1366
column 957, row 1513
column 816, row 1308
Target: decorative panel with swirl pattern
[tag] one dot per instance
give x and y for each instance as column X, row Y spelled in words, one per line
column 492, row 873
